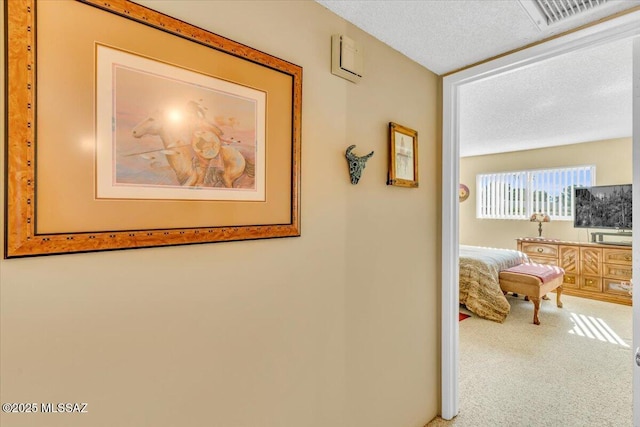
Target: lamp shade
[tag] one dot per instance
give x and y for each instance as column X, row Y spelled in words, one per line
column 540, row 217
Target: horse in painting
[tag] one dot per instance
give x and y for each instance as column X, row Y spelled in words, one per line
column 192, row 145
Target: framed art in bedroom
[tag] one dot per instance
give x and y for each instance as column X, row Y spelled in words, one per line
column 160, row 133
column 403, row 156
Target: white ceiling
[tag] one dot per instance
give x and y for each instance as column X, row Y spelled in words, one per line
column 579, row 97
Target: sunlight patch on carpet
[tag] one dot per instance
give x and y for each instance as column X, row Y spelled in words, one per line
column 594, row 328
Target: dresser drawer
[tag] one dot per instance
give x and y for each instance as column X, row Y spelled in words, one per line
column 617, row 271
column 542, row 260
column 540, row 249
column 571, row 281
column 617, row 287
column 591, row 283
column 617, row 256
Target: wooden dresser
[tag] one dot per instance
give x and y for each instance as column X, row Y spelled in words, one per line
column 592, row 270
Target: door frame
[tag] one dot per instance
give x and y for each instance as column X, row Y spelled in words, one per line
column 622, row 27
column 636, row 225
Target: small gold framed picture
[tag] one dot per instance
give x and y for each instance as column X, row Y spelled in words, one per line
column 403, row 156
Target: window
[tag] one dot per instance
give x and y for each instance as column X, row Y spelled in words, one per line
column 520, row 194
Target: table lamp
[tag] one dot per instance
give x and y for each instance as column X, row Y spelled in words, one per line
column 540, row 218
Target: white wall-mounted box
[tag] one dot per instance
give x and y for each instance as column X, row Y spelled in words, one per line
column 346, row 58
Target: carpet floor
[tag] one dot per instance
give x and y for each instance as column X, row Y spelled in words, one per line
column 575, row 369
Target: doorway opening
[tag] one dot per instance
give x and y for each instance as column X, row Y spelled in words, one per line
column 623, row 27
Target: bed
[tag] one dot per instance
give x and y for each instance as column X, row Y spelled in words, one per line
column 479, row 279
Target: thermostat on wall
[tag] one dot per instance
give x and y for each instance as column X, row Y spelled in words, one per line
column 346, row 58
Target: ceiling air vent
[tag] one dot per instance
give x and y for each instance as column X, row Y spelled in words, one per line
column 549, row 12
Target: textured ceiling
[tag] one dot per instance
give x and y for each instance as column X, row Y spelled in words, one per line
column 579, row 97
column 445, row 35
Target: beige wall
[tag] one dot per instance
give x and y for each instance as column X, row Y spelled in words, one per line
column 339, row 327
column 612, row 159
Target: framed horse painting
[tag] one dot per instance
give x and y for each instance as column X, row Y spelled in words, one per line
column 161, row 133
column 165, row 132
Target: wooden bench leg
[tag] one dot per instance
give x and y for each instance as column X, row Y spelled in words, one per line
column 536, row 307
column 558, row 295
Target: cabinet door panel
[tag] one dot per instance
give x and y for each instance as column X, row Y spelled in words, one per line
column 591, row 259
column 569, row 259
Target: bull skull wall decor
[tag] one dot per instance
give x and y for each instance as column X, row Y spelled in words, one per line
column 356, row 164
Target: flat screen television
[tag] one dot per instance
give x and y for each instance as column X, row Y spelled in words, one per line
column 603, row 206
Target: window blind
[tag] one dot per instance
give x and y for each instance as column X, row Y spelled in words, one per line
column 520, row 194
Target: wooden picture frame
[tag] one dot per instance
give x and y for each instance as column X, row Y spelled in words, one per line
column 403, row 156
column 60, row 118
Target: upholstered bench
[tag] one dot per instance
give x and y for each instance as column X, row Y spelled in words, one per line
column 534, row 281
